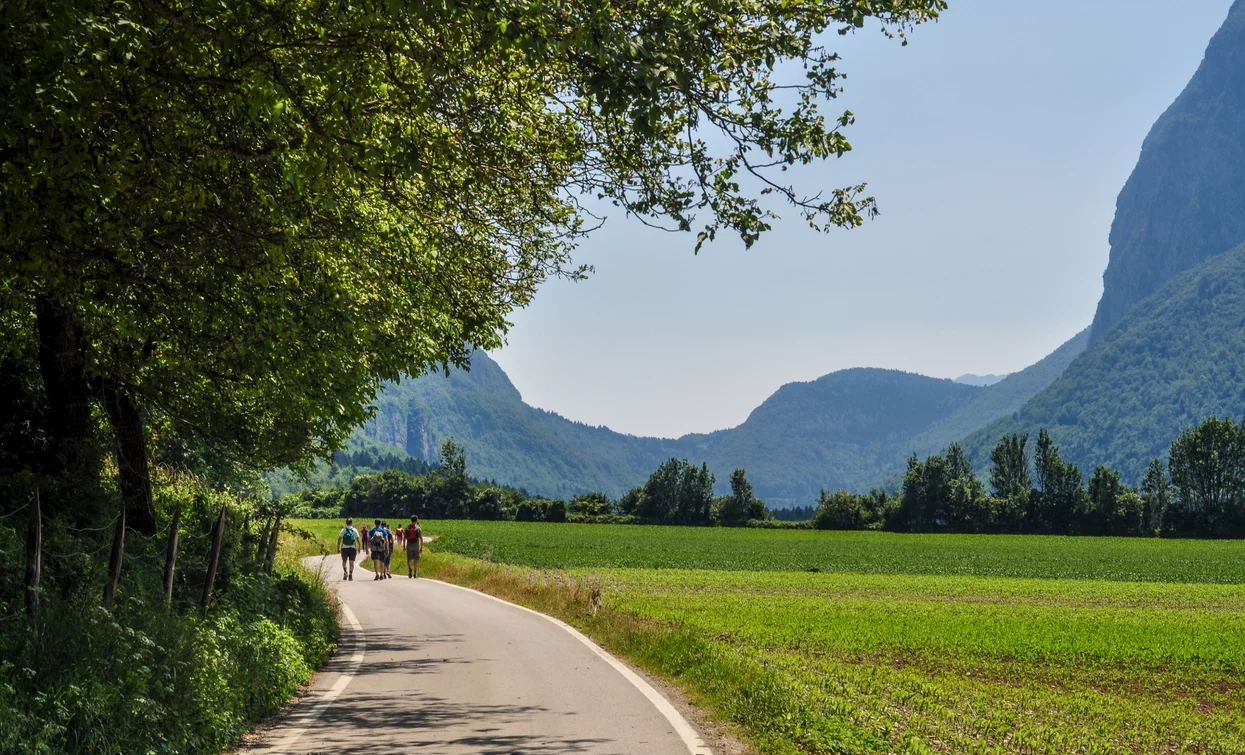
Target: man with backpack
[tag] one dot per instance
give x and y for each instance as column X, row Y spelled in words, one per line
column 388, row 548
column 414, row 537
column 348, row 547
column 378, row 543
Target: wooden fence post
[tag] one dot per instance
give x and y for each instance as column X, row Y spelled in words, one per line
column 170, row 557
column 34, row 557
column 115, row 558
column 271, row 556
column 218, row 533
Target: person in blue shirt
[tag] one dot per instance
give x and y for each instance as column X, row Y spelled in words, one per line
column 388, row 548
column 378, row 539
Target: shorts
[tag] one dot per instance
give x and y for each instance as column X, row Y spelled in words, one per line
column 388, row 555
column 412, row 554
column 349, row 553
column 378, row 556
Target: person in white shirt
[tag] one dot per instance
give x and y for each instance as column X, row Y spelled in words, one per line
column 348, row 547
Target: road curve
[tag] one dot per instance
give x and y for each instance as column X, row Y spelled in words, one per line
column 428, row 667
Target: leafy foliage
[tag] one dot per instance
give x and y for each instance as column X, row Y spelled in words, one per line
column 140, row 678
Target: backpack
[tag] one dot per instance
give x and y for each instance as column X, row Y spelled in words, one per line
column 349, row 536
column 378, row 540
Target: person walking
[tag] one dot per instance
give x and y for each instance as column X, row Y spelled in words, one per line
column 348, row 547
column 414, row 536
column 376, row 541
column 388, row 548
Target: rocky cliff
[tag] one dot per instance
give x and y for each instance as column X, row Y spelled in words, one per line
column 1185, row 200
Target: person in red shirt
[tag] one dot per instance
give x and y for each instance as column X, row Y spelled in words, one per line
column 414, row 536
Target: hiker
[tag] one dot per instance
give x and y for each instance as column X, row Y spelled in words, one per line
column 414, row 547
column 377, row 543
column 388, row 548
column 348, row 546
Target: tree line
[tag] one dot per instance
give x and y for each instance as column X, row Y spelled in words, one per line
column 678, row 492
column 1030, row 488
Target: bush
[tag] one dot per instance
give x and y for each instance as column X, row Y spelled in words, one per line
column 143, row 680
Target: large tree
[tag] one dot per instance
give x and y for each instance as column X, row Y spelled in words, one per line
column 1208, row 475
column 233, row 220
column 1009, row 469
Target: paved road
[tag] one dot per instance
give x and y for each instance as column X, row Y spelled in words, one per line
column 440, row 669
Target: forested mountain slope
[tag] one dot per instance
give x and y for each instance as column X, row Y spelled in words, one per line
column 505, row 439
column 1185, row 201
column 843, row 430
column 1000, row 399
column 850, row 429
column 1175, row 358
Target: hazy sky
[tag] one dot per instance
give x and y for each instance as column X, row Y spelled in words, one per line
column 995, row 143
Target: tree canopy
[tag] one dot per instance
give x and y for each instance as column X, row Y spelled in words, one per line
column 233, row 220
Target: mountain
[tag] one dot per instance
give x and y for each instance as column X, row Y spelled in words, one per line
column 1185, row 200
column 979, row 380
column 1176, row 357
column 505, row 439
column 849, row 429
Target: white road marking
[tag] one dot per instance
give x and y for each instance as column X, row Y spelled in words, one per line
column 299, row 723
column 695, row 745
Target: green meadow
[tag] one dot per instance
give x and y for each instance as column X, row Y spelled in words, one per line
column 825, row 642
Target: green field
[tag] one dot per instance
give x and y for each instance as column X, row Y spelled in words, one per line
column 864, row 642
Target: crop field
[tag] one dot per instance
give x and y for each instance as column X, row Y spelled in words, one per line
column 864, row 642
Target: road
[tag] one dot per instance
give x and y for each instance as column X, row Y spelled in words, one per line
column 428, row 667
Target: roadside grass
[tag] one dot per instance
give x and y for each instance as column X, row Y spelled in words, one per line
column 1005, row 659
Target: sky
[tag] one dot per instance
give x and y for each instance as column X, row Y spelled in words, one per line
column 995, row 143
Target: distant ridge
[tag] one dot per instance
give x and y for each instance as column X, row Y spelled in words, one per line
column 979, row 380
column 849, row 429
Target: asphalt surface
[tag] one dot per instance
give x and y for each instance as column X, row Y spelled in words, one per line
column 434, row 668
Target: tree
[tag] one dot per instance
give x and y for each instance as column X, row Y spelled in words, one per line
column 1156, row 491
column 926, row 490
column 239, row 218
column 695, row 497
column 965, row 509
column 742, row 504
column 454, row 487
column 591, row 505
column 678, row 492
column 1060, row 499
column 839, row 510
column 1112, row 510
column 1009, row 468
column 1208, row 474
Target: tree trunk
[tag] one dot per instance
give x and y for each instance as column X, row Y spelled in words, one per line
column 74, row 460
column 170, row 557
column 218, row 533
column 274, row 538
column 127, row 427
column 115, row 558
column 34, row 558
